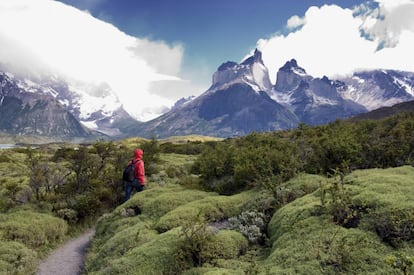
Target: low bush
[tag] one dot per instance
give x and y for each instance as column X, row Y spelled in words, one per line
column 251, row 224
column 213, row 271
column 32, row 229
column 382, row 201
column 394, row 226
column 4, row 158
column 158, row 201
column 401, row 262
column 120, row 242
column 16, row 258
column 305, row 236
column 226, row 244
column 153, row 257
column 212, row 208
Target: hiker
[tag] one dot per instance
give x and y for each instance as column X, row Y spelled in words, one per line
column 139, row 174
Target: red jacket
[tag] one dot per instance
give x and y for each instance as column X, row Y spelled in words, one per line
column 139, row 166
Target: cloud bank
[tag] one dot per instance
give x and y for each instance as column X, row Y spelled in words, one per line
column 330, row 40
column 47, row 36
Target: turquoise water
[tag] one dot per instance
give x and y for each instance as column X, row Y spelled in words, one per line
column 7, row 146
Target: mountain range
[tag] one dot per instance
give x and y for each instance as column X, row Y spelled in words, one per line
column 240, row 100
column 53, row 107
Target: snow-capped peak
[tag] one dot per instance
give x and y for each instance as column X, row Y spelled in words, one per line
column 292, row 66
column 251, row 71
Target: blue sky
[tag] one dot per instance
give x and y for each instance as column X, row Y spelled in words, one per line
column 153, row 52
column 211, row 31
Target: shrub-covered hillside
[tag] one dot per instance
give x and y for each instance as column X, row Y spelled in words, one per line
column 360, row 224
column 51, row 192
column 329, row 199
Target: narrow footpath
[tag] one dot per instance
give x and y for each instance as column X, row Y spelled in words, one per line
column 67, row 259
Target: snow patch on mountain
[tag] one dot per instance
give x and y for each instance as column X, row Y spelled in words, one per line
column 299, row 71
column 251, row 71
column 27, row 85
column 261, row 76
column 318, row 101
column 9, row 75
column 95, row 105
column 358, row 79
column 64, row 102
column 88, row 104
column 405, row 85
column 90, row 124
column 282, row 98
column 378, row 88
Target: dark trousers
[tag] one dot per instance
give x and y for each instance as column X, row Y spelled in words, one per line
column 130, row 186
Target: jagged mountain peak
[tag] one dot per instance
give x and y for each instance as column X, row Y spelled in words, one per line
column 255, row 58
column 326, row 80
column 227, row 65
column 292, row 66
column 289, row 77
column 251, row 71
column 240, row 100
column 30, row 112
column 379, row 88
column 94, row 105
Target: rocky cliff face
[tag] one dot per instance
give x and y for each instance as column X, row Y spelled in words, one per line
column 313, row 100
column 378, row 88
column 29, row 113
column 95, row 106
column 240, row 100
column 237, row 103
column 251, row 71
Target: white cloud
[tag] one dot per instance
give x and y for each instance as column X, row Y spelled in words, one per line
column 396, row 17
column 330, row 43
column 53, row 36
column 295, row 22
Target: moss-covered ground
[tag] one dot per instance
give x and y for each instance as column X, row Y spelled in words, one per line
column 305, row 235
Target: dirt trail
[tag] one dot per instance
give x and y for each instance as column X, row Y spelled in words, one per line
column 68, row 259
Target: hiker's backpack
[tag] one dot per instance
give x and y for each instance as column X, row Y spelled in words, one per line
column 129, row 172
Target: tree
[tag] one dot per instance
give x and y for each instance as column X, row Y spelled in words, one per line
column 151, row 155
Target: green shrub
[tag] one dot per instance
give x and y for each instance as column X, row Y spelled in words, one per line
column 300, row 185
column 387, row 195
column 395, row 226
column 226, row 244
column 110, row 224
column 212, row 208
column 151, row 156
column 190, row 181
column 119, row 243
column 175, row 172
column 153, row 257
column 15, row 258
column 196, row 236
column 32, row 229
column 251, row 224
column 158, row 201
column 4, row 158
column 67, row 214
column 202, row 245
column 382, row 202
column 401, row 262
column 305, row 237
column 213, row 271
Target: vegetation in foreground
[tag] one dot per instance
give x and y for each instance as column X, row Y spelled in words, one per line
column 316, row 200
column 364, row 226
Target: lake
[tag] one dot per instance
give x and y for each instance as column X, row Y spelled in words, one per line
column 7, row 146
